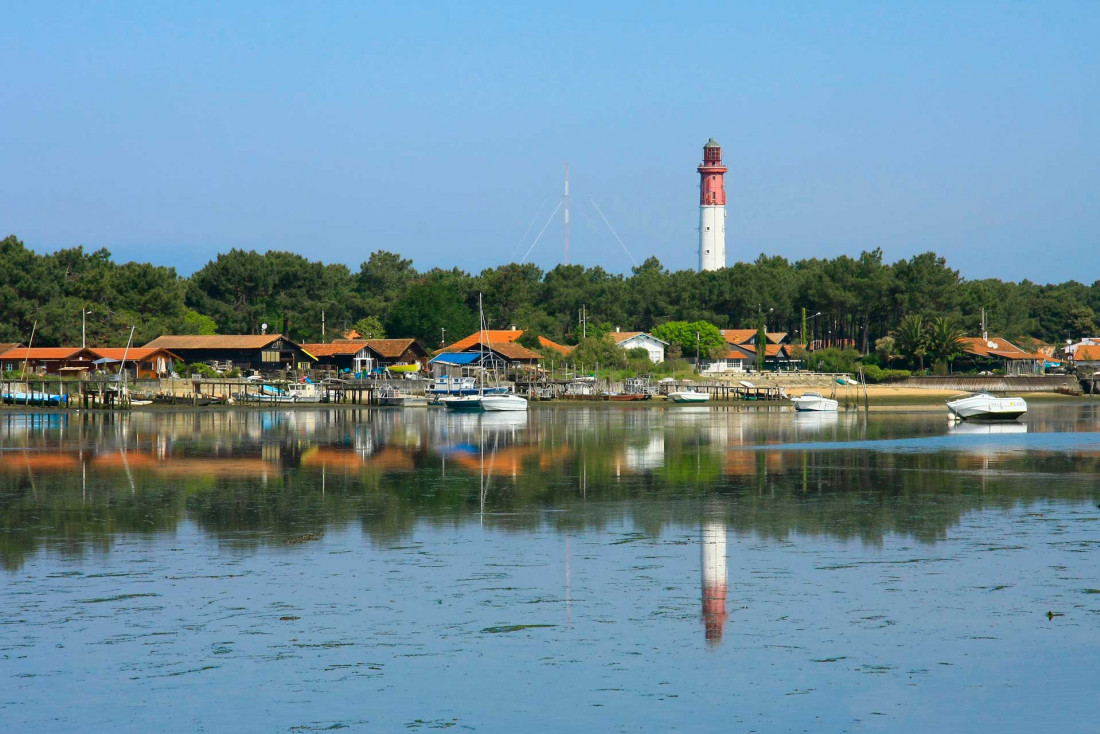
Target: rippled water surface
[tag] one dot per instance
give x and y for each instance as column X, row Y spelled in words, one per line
column 579, row 568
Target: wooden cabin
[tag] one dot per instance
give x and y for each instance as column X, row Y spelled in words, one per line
column 245, row 351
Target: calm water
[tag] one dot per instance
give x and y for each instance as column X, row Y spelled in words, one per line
column 574, row 569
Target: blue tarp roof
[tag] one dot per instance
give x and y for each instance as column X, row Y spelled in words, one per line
column 457, row 357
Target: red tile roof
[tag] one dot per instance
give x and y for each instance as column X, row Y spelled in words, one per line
column 349, row 347
column 770, row 350
column 514, row 351
column 996, row 347
column 61, row 353
column 134, row 354
column 738, row 336
column 214, row 341
column 559, row 348
column 1087, row 353
column 743, row 336
column 393, row 348
column 495, row 336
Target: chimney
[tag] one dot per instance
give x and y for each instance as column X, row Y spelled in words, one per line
column 618, row 329
column 512, row 327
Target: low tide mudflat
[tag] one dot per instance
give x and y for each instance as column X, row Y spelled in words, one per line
column 691, row 568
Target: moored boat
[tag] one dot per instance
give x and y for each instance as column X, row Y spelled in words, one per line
column 688, row 396
column 462, row 403
column 983, row 406
column 395, row 397
column 505, row 402
column 814, row 402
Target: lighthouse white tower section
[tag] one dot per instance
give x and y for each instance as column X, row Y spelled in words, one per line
column 714, row 580
column 712, row 208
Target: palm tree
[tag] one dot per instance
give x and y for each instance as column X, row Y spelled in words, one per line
column 912, row 340
column 945, row 339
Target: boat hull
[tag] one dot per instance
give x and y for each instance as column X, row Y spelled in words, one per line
column 403, row 401
column 688, row 397
column 987, row 408
column 462, row 403
column 503, row 403
column 815, row 405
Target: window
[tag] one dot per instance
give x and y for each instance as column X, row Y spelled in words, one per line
column 269, row 355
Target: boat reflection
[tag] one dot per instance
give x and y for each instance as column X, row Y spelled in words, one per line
column 987, row 428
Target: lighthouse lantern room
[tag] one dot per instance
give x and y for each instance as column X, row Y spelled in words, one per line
column 712, row 208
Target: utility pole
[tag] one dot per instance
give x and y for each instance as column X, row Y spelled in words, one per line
column 83, row 327
column 583, row 318
column 442, row 336
column 322, row 326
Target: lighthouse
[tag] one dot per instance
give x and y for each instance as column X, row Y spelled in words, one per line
column 712, row 208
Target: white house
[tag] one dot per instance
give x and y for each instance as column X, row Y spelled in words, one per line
column 635, row 339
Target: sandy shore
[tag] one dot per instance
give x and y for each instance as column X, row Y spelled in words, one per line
column 891, row 396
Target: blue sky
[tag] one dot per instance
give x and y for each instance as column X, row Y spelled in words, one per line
column 169, row 133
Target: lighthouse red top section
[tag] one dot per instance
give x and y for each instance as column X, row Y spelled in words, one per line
column 712, row 185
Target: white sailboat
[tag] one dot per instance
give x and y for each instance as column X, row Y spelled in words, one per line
column 492, row 400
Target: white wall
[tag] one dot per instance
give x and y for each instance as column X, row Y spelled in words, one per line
column 712, row 237
column 655, row 348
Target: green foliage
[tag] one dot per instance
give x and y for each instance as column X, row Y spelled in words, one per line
column 761, row 347
column 637, row 353
column 433, row 304
column 944, row 340
column 832, row 360
column 860, row 299
column 199, row 369
column 874, row 373
column 691, row 336
column 370, row 327
column 912, row 339
column 196, row 323
column 598, row 350
column 885, row 348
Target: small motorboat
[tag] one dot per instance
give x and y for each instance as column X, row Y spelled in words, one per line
column 503, row 402
column 393, row 397
column 688, row 396
column 983, row 406
column 463, row 403
column 814, row 402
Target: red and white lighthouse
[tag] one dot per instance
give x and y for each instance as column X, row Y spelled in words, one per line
column 712, row 208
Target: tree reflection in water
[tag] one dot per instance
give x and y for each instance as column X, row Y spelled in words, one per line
column 77, row 482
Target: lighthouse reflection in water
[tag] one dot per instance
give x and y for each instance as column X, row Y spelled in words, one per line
column 714, row 580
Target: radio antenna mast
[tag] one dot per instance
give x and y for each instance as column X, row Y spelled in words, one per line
column 567, row 212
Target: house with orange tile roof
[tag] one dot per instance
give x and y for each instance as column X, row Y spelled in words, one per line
column 1000, row 353
column 1086, row 357
column 366, row 355
column 742, row 352
column 487, row 349
column 628, row 340
column 49, row 360
column 140, row 362
column 489, row 336
column 561, row 349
